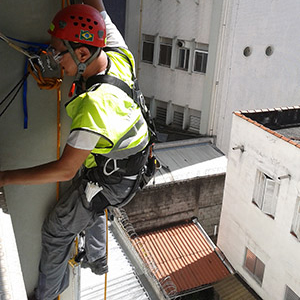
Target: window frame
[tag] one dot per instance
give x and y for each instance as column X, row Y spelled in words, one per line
column 166, row 43
column 186, row 58
column 147, row 40
column 295, row 229
column 203, row 68
column 257, row 264
column 265, row 194
column 289, row 292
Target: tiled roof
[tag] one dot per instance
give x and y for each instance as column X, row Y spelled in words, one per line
column 249, row 115
column 184, row 253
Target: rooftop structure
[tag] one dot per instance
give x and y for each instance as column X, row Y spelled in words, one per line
column 260, row 220
column 283, row 122
column 184, row 253
column 187, row 160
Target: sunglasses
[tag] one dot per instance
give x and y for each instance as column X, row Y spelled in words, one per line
column 56, row 55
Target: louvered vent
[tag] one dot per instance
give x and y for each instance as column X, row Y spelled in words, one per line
column 161, row 114
column 194, row 123
column 178, row 119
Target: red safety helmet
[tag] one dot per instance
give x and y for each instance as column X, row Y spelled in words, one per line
column 79, row 23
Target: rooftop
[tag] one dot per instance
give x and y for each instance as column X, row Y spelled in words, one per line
column 187, row 159
column 283, row 122
column 186, row 255
column 122, row 281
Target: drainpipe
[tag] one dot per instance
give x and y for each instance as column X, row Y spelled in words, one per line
column 140, row 40
column 219, row 59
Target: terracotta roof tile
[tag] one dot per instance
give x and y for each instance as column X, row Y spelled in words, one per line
column 183, row 253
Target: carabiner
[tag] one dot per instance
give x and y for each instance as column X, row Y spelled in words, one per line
column 114, row 169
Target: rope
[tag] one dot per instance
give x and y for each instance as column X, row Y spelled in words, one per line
column 105, row 285
column 16, row 89
column 45, row 83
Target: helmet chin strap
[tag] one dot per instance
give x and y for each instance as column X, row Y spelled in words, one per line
column 81, row 66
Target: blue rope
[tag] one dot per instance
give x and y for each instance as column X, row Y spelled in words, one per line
column 34, row 48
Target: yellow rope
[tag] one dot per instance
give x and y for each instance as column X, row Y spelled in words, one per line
column 105, row 286
column 44, row 83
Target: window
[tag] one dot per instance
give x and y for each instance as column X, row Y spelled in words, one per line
column 183, row 58
column 200, row 61
column 165, row 51
column 265, row 194
column 255, row 266
column 296, row 221
column 148, row 48
column 290, row 295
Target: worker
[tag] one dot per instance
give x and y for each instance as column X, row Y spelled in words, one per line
column 109, row 136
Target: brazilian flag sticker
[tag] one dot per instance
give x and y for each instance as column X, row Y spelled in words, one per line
column 85, row 35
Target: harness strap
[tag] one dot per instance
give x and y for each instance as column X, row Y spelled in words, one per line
column 134, row 93
column 110, row 80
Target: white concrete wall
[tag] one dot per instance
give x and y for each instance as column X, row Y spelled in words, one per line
column 28, row 205
column 257, row 81
column 244, row 225
column 188, row 20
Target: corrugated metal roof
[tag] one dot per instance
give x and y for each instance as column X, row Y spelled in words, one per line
column 122, row 282
column 183, row 253
column 230, row 288
column 188, row 159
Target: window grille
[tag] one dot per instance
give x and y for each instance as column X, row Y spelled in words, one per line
column 178, row 119
column 290, row 294
column 194, row 123
column 161, row 115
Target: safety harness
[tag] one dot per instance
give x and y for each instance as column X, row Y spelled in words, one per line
column 134, row 93
column 140, row 166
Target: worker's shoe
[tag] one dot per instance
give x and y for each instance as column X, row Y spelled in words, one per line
column 33, row 297
column 98, row 266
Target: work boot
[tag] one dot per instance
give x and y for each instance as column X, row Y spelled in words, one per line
column 33, row 297
column 99, row 266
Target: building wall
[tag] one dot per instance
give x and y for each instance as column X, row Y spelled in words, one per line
column 161, row 206
column 191, row 21
column 19, row 147
column 257, row 81
column 243, row 224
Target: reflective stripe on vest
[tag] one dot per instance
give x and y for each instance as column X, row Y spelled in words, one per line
column 128, row 144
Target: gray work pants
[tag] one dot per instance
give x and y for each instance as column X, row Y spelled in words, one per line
column 70, row 216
